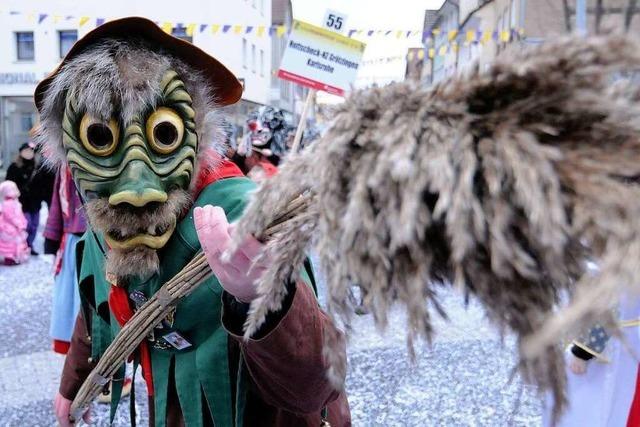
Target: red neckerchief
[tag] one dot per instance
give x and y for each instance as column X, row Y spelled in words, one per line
column 119, row 305
column 213, row 167
column 269, row 168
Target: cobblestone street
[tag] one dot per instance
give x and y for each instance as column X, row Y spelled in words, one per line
column 463, row 380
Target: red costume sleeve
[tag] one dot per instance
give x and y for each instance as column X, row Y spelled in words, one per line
column 286, row 364
column 54, row 227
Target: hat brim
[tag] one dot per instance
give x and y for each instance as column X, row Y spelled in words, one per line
column 226, row 87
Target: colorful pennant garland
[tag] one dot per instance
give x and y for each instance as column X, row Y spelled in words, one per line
column 441, row 42
column 280, row 30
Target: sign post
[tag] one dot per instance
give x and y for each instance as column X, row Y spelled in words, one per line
column 319, row 59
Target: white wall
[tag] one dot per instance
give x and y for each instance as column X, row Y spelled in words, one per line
column 225, row 47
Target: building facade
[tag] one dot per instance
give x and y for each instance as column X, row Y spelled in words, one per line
column 38, row 34
column 440, row 24
column 495, row 25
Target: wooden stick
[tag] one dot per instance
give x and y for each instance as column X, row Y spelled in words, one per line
column 303, row 121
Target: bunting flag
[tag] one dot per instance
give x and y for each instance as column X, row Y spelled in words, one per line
column 190, row 29
column 167, row 27
column 471, row 35
column 436, row 41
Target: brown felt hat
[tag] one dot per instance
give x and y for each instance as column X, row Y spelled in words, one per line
column 227, row 88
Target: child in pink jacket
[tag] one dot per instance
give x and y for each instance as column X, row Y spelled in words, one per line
column 13, row 226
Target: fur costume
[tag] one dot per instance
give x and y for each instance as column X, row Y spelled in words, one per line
column 503, row 183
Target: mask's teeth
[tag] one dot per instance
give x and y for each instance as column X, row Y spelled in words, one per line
column 151, row 230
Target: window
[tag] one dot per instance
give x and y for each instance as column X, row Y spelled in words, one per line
column 261, row 7
column 253, row 58
column 26, row 121
column 253, row 3
column 24, row 46
column 261, row 62
column 244, row 53
column 181, row 33
column 67, row 39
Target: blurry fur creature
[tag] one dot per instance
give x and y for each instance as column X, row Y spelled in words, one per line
column 503, row 183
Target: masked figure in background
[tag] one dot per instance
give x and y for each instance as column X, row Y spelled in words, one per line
column 264, row 143
column 131, row 112
column 604, row 375
column 65, row 226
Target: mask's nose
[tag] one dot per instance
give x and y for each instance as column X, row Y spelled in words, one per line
column 138, row 185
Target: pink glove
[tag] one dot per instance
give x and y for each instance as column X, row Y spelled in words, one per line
column 62, row 410
column 239, row 274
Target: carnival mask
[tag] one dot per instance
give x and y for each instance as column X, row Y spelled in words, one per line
column 265, row 133
column 128, row 119
column 134, row 175
column 131, row 110
column 135, row 167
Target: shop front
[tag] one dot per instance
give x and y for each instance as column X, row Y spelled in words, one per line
column 17, row 113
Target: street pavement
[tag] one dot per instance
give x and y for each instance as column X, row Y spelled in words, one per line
column 462, row 380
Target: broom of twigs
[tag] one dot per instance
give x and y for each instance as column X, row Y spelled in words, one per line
column 156, row 309
column 503, row 182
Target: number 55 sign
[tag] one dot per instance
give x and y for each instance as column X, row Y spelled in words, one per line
column 334, row 20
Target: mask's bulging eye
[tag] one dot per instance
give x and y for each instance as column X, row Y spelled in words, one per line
column 165, row 130
column 98, row 137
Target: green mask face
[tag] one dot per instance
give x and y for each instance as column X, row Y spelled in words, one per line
column 134, row 166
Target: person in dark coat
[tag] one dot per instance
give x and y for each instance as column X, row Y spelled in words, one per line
column 23, row 171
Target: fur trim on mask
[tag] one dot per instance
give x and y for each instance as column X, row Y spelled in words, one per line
column 122, row 78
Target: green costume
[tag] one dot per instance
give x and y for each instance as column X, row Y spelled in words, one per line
column 203, row 367
column 131, row 112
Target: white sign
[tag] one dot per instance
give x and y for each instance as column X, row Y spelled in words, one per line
column 334, row 21
column 320, row 59
column 18, row 78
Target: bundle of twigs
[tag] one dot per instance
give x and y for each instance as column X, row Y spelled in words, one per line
column 154, row 311
column 504, row 182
